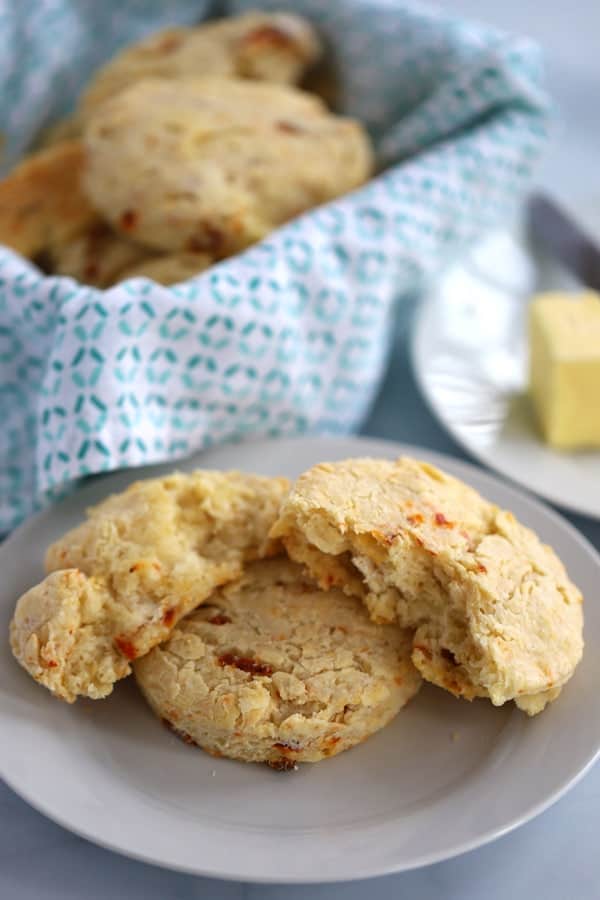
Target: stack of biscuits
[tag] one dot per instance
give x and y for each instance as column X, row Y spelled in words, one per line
column 284, row 624
column 184, row 149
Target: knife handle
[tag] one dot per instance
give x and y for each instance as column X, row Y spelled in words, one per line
column 556, row 232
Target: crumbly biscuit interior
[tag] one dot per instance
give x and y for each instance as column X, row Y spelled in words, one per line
column 61, row 633
column 484, row 614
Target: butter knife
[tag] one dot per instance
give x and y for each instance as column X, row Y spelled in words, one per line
column 551, row 228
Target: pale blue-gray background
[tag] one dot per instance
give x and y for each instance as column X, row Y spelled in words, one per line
column 555, row 857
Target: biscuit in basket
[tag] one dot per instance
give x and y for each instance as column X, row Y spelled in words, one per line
column 46, row 217
column 97, row 256
column 276, row 47
column 41, row 203
column 143, row 559
column 214, row 164
column 169, row 268
column 494, row 610
column 274, row 670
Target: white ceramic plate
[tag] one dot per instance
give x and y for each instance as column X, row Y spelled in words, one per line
column 469, row 354
column 444, row 777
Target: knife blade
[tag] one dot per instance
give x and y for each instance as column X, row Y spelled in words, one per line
column 557, row 233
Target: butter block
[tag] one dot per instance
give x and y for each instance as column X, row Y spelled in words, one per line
column 564, row 343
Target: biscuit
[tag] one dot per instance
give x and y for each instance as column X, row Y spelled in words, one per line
column 45, row 216
column 214, row 164
column 97, row 256
column 41, row 203
column 274, row 670
column 169, row 268
column 62, row 635
column 494, row 610
column 143, row 559
column 276, row 47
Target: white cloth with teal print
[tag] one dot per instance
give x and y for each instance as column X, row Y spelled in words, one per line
column 291, row 336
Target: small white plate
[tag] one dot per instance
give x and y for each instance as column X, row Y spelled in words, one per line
column 469, row 352
column 444, row 777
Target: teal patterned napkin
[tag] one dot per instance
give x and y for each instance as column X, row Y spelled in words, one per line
column 292, row 335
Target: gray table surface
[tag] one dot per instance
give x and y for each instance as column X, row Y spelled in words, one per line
column 556, row 856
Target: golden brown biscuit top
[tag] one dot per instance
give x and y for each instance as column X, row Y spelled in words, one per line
column 41, row 202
